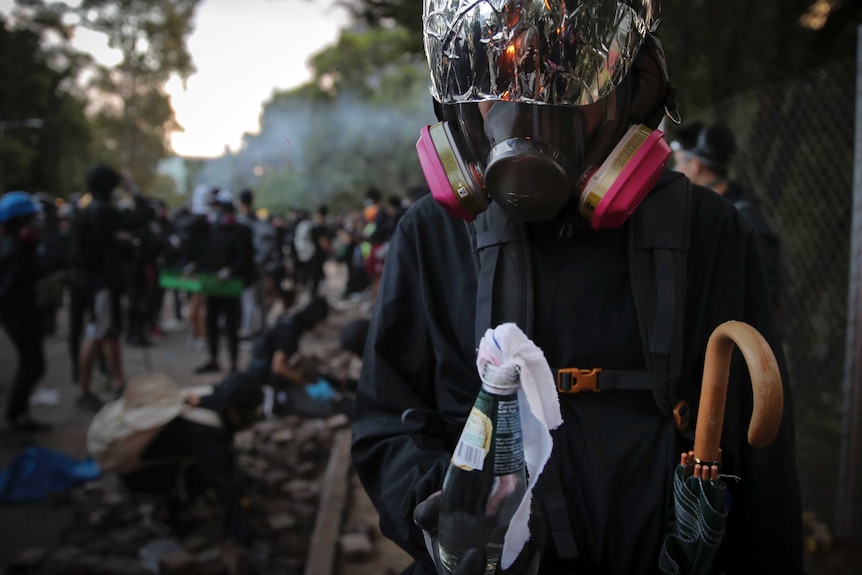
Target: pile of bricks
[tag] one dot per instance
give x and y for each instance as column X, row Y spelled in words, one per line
column 118, row 532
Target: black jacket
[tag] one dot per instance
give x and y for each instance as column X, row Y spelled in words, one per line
column 619, row 450
column 767, row 240
column 19, row 272
column 98, row 251
column 229, row 245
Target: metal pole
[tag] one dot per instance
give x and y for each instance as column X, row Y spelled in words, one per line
column 848, row 523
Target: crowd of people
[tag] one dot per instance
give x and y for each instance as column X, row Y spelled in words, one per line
column 127, row 268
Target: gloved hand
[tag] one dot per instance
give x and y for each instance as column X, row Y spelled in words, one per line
column 189, row 269
column 426, row 516
column 223, row 274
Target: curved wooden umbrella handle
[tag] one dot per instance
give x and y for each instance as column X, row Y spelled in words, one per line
column 765, row 381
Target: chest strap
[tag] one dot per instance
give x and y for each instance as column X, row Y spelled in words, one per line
column 575, row 380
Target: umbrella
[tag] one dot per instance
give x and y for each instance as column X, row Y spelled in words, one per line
column 699, row 492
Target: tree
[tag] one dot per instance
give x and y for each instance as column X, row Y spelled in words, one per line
column 404, row 13
column 131, row 113
column 44, row 134
column 374, row 63
column 135, row 118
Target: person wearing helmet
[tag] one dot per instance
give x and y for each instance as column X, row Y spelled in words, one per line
column 19, row 272
column 547, row 146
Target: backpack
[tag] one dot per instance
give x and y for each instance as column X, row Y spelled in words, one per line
column 303, row 242
column 658, row 246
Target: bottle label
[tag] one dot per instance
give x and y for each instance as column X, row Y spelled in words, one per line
column 475, row 441
column 509, row 439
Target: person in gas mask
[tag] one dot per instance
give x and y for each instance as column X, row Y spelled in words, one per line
column 548, row 147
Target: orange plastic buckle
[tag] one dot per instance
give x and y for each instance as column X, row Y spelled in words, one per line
column 579, row 380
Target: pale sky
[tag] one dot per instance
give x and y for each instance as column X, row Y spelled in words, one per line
column 243, row 50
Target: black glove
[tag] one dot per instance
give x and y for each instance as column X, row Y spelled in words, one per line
column 426, row 516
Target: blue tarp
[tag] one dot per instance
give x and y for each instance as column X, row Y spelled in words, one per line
column 38, row 472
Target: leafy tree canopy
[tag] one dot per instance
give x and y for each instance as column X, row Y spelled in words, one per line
column 43, row 131
column 130, row 111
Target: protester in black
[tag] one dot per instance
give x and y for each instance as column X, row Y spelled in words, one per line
column 101, row 239
column 229, row 256
column 704, row 153
column 616, row 449
column 239, row 395
column 19, row 273
column 321, row 236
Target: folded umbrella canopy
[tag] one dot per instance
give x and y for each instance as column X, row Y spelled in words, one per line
column 699, row 493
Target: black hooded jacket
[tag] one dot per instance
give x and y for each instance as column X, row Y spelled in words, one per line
column 229, row 245
column 618, row 451
column 767, row 240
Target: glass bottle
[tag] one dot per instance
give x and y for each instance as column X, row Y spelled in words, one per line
column 486, row 479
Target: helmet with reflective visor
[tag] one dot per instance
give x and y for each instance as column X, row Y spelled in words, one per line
column 536, row 95
column 559, row 52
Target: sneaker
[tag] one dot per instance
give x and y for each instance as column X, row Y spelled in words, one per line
column 88, row 402
column 208, row 367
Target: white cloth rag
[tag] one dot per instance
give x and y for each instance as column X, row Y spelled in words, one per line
column 539, row 405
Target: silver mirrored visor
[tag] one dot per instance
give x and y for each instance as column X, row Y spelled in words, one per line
column 561, row 52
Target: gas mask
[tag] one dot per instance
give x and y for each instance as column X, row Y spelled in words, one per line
column 541, row 105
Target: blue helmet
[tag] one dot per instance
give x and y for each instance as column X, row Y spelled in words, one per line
column 16, row 204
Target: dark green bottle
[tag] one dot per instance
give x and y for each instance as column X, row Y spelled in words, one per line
column 487, row 477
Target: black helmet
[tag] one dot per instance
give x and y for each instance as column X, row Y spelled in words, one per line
column 102, row 180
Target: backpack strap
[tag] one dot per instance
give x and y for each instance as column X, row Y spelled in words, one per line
column 502, row 257
column 659, row 237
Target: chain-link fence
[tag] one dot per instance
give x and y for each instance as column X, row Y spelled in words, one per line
column 795, row 150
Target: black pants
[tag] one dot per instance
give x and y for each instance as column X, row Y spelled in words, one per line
column 77, row 307
column 25, row 331
column 139, row 302
column 314, row 274
column 229, row 309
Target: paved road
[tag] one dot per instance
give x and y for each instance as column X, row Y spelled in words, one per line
column 40, row 524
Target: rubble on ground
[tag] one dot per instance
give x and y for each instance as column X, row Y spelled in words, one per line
column 117, row 532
